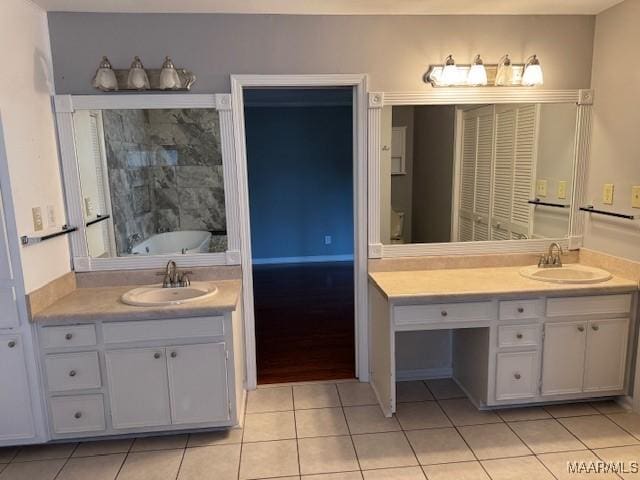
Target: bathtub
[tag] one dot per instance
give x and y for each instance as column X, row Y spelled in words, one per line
column 187, row 241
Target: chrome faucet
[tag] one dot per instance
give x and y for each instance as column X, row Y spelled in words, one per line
column 132, row 240
column 173, row 277
column 552, row 258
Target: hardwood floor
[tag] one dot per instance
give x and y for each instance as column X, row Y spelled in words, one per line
column 304, row 316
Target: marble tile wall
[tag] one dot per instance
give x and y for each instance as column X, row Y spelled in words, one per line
column 165, row 173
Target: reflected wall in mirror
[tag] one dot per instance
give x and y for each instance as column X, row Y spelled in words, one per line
column 457, row 173
column 151, row 180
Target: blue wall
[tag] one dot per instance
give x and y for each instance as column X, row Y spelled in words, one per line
column 300, row 163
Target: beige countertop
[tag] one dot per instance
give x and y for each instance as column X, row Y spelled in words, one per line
column 88, row 304
column 472, row 283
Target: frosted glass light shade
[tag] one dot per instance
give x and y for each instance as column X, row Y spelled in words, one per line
column 449, row 74
column 533, row 73
column 105, row 77
column 504, row 75
column 477, row 73
column 137, row 78
column 169, row 78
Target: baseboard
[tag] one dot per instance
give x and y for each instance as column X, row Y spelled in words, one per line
column 309, row 259
column 424, row 374
column 625, row 401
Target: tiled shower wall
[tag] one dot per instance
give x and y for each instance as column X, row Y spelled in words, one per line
column 165, row 173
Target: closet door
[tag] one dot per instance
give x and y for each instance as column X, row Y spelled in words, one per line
column 524, row 170
column 467, row 176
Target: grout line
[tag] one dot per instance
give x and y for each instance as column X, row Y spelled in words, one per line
column 295, row 430
column 244, row 424
column 66, row 461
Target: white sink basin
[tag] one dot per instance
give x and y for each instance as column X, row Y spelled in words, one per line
column 570, row 273
column 157, row 296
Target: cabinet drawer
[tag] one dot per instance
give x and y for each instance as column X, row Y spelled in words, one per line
column 68, row 336
column 516, row 375
column 515, row 309
column 73, row 371
column 82, row 413
column 518, row 335
column 443, row 312
column 145, row 330
column 596, row 305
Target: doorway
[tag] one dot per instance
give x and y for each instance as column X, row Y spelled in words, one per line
column 300, row 181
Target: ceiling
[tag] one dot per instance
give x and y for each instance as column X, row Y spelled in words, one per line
column 336, row 7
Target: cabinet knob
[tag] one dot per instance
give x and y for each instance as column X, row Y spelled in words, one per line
column 595, row 327
column 444, row 313
column 174, row 354
column 519, row 336
column 581, row 328
column 520, row 309
column 77, row 415
column 517, row 376
column 11, row 344
column 156, row 355
column 68, row 336
column 72, row 373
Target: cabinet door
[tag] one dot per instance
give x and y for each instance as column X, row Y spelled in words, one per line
column 138, row 388
column 16, row 420
column 563, row 357
column 198, row 383
column 606, row 354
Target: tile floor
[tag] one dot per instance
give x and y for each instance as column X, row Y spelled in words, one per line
column 336, row 432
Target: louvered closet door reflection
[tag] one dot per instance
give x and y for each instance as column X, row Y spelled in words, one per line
column 524, row 171
column 467, row 177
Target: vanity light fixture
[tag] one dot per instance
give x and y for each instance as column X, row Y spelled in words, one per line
column 137, row 78
column 532, row 75
column 504, row 74
column 105, row 77
column 449, row 75
column 477, row 73
column 169, row 78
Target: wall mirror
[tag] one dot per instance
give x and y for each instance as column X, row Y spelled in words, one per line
column 482, row 171
column 150, row 181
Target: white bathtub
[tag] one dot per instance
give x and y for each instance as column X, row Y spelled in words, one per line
column 187, row 241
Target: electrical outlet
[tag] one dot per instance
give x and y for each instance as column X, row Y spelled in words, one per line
column 562, row 189
column 51, row 215
column 327, row 239
column 541, row 188
column 607, row 194
column 36, row 212
column 635, row 196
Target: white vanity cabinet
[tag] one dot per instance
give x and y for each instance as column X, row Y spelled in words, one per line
column 119, row 377
column 16, row 421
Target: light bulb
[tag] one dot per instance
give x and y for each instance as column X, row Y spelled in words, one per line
column 477, row 73
column 532, row 72
column 504, row 75
column 137, row 79
column 449, row 74
column 105, row 77
column 169, row 78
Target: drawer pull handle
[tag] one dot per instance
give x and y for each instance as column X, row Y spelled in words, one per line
column 68, row 336
column 174, row 354
column 11, row 344
column 595, row 327
column 520, row 309
column 444, row 313
column 517, row 376
column 519, row 336
column 581, row 328
column 72, row 373
column 156, row 355
column 77, row 415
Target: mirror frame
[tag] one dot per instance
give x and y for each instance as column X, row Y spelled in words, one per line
column 66, row 105
column 479, row 96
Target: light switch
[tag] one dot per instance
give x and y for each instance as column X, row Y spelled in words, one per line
column 562, row 189
column 327, row 239
column 607, row 194
column 36, row 212
column 635, row 196
column 51, row 215
column 541, row 188
column 88, row 207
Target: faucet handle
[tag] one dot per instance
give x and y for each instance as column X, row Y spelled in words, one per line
column 184, row 281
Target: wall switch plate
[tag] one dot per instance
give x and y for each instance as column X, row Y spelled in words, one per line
column 88, row 207
column 327, row 239
column 607, row 194
column 635, row 196
column 541, row 188
column 36, row 213
column 562, row 189
column 51, row 215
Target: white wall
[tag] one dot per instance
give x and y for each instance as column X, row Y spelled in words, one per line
column 25, row 88
column 615, row 151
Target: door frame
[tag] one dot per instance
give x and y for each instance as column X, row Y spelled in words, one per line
column 360, row 106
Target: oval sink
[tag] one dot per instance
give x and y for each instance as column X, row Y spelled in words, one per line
column 157, row 296
column 571, row 273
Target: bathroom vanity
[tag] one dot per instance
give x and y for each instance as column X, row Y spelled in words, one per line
column 111, row 368
column 514, row 340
